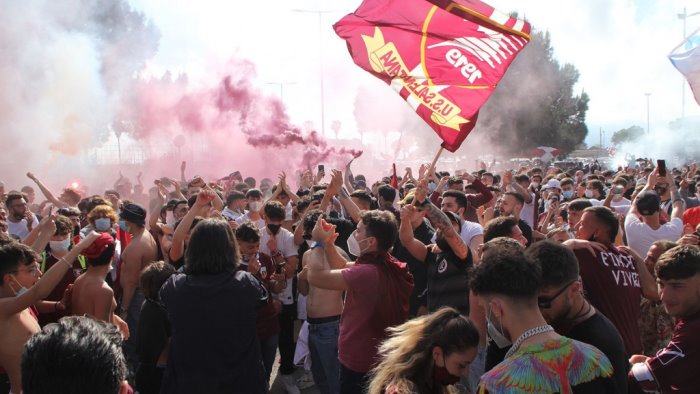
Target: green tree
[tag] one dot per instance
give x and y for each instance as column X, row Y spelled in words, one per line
column 534, row 104
column 629, row 134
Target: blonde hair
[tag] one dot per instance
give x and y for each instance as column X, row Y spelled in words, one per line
column 407, row 361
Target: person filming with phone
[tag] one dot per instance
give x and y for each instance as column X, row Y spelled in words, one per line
column 643, row 223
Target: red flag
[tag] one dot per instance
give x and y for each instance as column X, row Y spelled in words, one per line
column 394, row 179
column 443, row 57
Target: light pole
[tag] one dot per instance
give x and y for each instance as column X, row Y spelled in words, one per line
column 281, row 86
column 320, row 61
column 648, row 94
column 685, row 17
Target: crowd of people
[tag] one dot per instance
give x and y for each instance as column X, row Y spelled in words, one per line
column 524, row 280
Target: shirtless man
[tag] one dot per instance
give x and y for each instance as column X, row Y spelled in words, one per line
column 22, row 287
column 90, row 294
column 141, row 251
column 323, row 309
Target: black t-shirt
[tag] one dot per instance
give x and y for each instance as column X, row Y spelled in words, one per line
column 599, row 331
column 527, row 231
column 154, row 331
column 419, row 269
column 448, row 281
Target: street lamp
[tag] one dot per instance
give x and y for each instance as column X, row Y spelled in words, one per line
column 320, row 51
column 685, row 17
column 647, row 94
column 281, row 86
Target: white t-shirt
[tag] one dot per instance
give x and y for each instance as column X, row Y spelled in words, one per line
column 469, row 231
column 231, row 214
column 640, row 236
column 528, row 212
column 285, row 244
column 260, row 223
column 19, row 229
column 622, row 206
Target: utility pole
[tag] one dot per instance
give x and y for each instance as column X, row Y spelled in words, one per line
column 648, row 129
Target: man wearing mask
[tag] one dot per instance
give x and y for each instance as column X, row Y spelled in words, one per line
column 254, row 199
column 235, row 205
column 563, row 305
column 278, row 243
column 141, row 251
column 457, row 202
column 643, row 223
column 377, row 290
column 568, row 191
column 506, row 284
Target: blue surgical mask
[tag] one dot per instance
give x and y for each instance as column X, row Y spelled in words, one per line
column 432, row 186
column 60, row 246
column 496, row 335
column 568, row 194
column 21, row 290
column 103, row 224
column 123, row 226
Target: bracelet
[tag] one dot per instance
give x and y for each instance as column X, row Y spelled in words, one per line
column 318, row 244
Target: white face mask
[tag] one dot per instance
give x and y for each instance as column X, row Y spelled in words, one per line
column 60, row 246
column 589, row 193
column 255, row 206
column 495, row 334
column 169, row 218
column 21, row 290
column 103, row 224
column 354, row 245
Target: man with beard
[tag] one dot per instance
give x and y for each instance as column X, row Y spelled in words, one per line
column 20, row 220
column 562, row 304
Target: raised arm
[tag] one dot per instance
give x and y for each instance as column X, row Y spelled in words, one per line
column 415, row 247
column 44, row 231
column 676, row 200
column 325, row 233
column 155, row 212
column 650, row 290
column 441, row 221
column 348, row 177
column 48, row 281
column 46, row 192
column 336, row 188
column 177, row 248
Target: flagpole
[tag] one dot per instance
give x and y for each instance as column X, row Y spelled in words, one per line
column 431, row 169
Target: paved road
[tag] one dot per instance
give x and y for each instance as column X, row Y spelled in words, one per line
column 276, row 386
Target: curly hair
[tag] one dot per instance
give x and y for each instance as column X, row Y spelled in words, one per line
column 102, row 211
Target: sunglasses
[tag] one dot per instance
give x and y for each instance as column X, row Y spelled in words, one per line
column 546, row 302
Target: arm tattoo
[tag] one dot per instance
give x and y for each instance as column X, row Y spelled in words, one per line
column 439, row 218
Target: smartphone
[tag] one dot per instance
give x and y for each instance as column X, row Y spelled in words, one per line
column 321, row 168
column 661, row 165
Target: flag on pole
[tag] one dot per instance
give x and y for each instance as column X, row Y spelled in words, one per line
column 443, row 57
column 686, row 58
column 394, row 178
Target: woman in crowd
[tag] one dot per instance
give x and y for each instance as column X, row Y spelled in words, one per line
column 426, row 355
column 212, row 310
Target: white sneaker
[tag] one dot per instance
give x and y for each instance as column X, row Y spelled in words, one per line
column 305, row 381
column 290, row 386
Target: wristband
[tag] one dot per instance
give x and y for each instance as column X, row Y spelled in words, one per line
column 318, row 244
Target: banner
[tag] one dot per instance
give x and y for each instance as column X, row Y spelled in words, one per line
column 444, row 58
column 686, row 58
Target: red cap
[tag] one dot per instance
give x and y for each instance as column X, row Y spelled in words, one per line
column 99, row 246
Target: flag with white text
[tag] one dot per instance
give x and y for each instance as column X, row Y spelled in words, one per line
column 444, row 58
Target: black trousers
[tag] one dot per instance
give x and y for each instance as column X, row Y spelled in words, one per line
column 352, row 382
column 286, row 338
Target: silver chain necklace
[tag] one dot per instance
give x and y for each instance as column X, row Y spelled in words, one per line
column 527, row 334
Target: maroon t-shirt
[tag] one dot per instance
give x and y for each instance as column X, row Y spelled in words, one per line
column 266, row 323
column 611, row 283
column 677, row 366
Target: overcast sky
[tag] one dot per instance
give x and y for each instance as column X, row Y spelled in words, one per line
column 619, row 46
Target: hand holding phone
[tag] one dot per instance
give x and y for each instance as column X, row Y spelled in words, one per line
column 661, row 165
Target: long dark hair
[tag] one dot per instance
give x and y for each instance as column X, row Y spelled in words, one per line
column 212, row 249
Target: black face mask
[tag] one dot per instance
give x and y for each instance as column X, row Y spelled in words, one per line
column 274, row 228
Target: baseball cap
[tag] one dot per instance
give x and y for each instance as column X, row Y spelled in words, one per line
column 98, row 246
column 648, row 203
column 552, row 184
